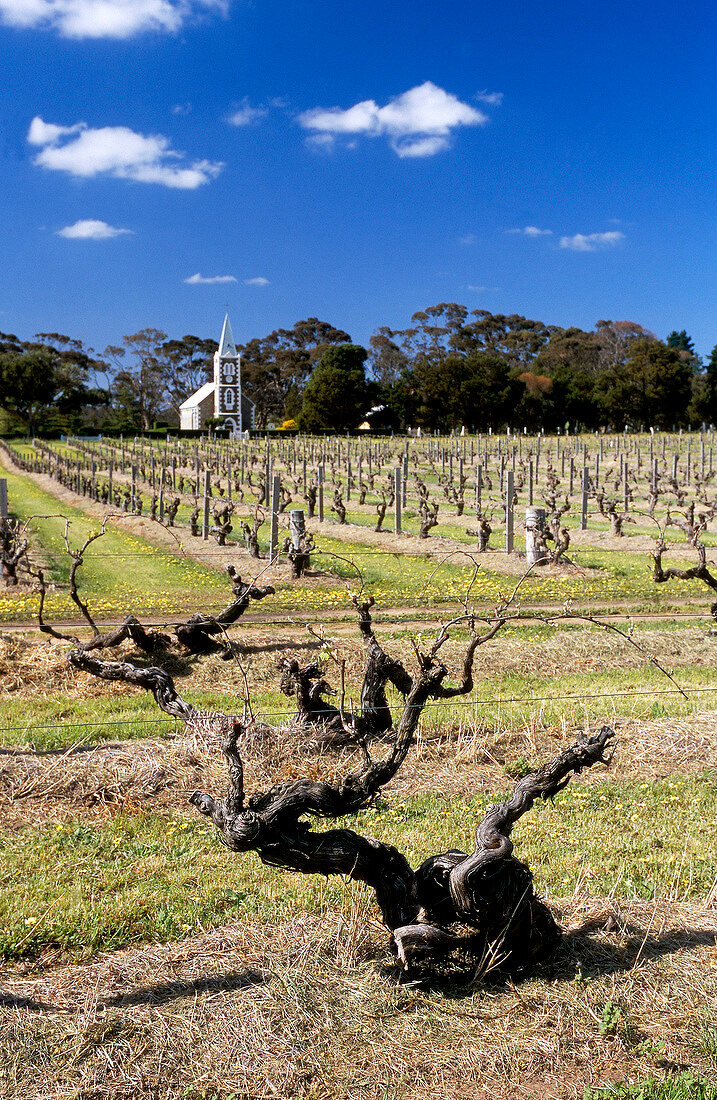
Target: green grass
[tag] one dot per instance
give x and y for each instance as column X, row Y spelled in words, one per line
column 121, row 572
column 58, row 722
column 156, row 581
column 85, row 887
column 500, row 702
column 680, row 1086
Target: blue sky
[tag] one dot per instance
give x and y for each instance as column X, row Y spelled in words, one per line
column 355, row 162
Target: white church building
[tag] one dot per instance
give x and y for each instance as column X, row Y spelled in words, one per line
column 222, row 398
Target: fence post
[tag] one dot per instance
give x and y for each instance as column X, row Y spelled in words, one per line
column 297, row 527
column 205, row 510
column 397, row 498
column 321, row 493
column 534, row 525
column 275, row 497
column 625, row 488
column 509, row 512
column 584, row 501
column 479, row 486
column 3, row 497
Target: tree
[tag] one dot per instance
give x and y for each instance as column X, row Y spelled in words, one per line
column 615, row 339
column 436, row 334
column 479, row 391
column 535, row 407
column 681, row 341
column 336, row 394
column 514, row 338
column 386, row 360
column 145, row 378
column 43, row 384
column 440, row 402
column 710, row 375
column 187, row 364
column 275, row 368
column 651, row 388
column 571, row 359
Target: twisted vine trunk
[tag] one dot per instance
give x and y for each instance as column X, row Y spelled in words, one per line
column 482, row 901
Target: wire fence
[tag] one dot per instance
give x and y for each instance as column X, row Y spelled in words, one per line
column 446, row 704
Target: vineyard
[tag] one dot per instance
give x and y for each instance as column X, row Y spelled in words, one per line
column 457, row 611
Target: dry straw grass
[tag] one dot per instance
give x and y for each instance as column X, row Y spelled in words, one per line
column 312, row 1007
column 40, row 668
column 304, row 1010
column 159, row 775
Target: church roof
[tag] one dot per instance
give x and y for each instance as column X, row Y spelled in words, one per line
column 227, row 347
column 198, row 396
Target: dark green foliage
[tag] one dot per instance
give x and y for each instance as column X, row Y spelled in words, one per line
column 275, row 368
column 710, row 386
column 479, row 390
column 45, row 384
column 652, row 387
column 337, row 394
column 681, row 341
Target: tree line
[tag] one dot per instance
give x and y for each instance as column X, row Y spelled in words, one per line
column 450, row 368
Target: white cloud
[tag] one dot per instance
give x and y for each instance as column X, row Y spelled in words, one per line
column 258, row 281
column 491, row 99
column 46, row 133
column 209, row 280
column 321, row 142
column 532, row 231
column 418, row 123
column 422, row 146
column 90, row 229
column 246, row 115
column 468, row 239
column 106, row 18
column 591, row 242
column 116, row 151
column 182, row 109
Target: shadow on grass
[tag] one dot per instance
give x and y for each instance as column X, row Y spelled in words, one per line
column 578, row 954
column 280, row 646
column 165, row 992
column 161, row 993
column 10, row 1000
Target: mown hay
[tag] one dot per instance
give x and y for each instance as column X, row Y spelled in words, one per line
column 302, row 1010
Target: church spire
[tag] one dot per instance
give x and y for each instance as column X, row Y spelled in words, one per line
column 227, row 347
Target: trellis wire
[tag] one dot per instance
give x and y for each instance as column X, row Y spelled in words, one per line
column 435, row 705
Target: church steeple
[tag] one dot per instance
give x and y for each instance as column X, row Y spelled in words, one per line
column 223, row 396
column 227, row 380
column 227, row 347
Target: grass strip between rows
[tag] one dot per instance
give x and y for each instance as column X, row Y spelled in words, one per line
column 141, row 877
